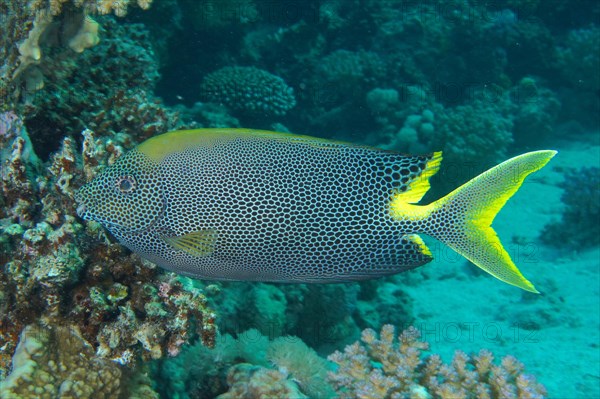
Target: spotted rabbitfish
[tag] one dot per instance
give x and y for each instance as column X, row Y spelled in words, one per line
column 242, row 204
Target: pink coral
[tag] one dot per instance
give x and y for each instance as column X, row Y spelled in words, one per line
column 390, row 367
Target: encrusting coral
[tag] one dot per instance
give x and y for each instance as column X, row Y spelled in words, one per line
column 394, row 367
column 287, row 363
column 254, row 382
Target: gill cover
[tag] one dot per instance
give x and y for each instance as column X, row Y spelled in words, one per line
column 126, row 196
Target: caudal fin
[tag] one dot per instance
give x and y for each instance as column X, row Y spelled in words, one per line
column 462, row 219
column 479, row 200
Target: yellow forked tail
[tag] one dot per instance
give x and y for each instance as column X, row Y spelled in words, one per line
column 462, row 219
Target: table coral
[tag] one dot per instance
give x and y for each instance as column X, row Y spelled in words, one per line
column 248, row 90
column 392, row 367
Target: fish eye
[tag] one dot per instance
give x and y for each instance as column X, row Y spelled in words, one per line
column 125, row 184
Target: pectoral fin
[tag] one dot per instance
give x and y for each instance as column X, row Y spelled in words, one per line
column 197, row 243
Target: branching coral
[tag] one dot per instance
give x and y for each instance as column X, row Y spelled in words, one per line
column 118, row 7
column 394, row 367
column 248, row 90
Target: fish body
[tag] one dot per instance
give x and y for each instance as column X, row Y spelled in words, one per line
column 240, row 204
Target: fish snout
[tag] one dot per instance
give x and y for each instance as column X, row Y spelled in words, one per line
column 81, row 208
column 83, row 204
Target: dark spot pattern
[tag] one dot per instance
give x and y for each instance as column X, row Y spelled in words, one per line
column 282, row 210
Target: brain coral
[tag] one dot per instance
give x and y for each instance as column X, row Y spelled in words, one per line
column 248, row 90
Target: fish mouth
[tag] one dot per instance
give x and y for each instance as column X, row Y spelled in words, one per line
column 81, row 211
column 84, row 209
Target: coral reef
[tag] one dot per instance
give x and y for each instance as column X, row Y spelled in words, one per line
column 479, row 81
column 578, row 227
column 320, row 315
column 578, row 59
column 254, row 382
column 287, row 362
column 472, row 137
column 294, row 359
column 35, row 26
column 56, row 362
column 124, row 308
column 535, row 110
column 392, row 367
column 248, row 90
column 347, row 72
column 81, row 90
